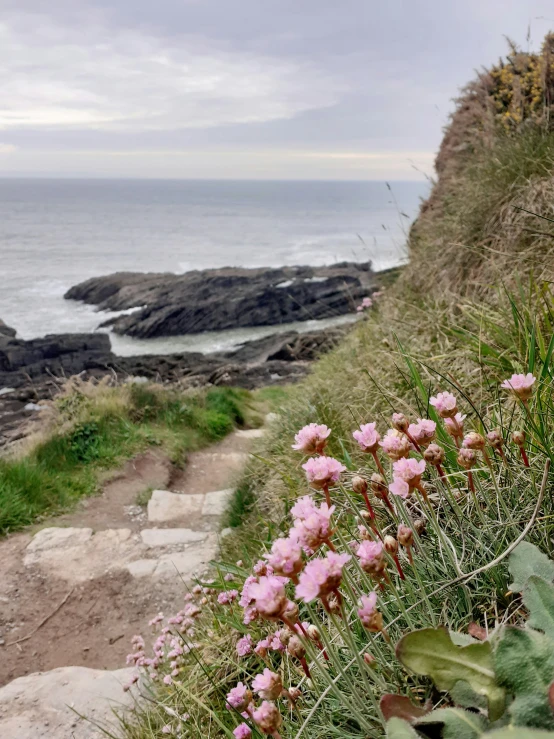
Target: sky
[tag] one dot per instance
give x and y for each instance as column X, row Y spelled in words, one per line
column 242, row 89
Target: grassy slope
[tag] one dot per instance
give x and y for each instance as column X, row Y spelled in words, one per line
column 461, row 329
column 95, row 428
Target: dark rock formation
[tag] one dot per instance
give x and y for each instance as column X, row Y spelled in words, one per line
column 6, row 330
column 219, row 299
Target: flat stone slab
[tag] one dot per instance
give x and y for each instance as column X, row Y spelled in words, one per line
column 185, row 564
column 164, row 506
column 76, row 554
column 215, row 503
column 39, row 706
column 250, row 433
column 171, row 537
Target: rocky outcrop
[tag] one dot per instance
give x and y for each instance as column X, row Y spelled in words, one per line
column 220, row 299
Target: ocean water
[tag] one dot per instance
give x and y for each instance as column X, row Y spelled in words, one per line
column 56, row 233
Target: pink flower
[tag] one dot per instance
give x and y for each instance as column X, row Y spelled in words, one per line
column 303, row 507
column 267, row 717
column 455, row 426
column 244, row 646
column 269, row 596
column 372, row 557
column 229, row 577
column 286, row 557
column 276, row 643
column 400, row 487
column 370, row 617
column 367, row 437
column 466, row 458
column 395, row 444
column 243, row 731
column 227, row 597
column 409, row 470
column 367, row 303
column 422, row 432
column 445, row 404
column 245, row 597
column 520, row 385
column 321, row 576
column 239, row 697
column 167, row 729
column 312, row 438
column 268, row 685
column 315, row 529
column 323, row 471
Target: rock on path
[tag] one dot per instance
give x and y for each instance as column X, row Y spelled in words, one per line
column 175, row 541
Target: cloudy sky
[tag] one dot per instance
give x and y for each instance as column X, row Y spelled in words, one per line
column 309, row 89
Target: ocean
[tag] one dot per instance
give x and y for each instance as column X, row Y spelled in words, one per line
column 56, row 233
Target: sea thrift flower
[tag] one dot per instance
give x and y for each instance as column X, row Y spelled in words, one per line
column 268, row 685
column 323, row 471
column 312, row 438
column 244, row 646
column 395, row 444
column 434, row 454
column 243, row 731
column 167, row 729
column 370, row 617
column 314, row 530
column 229, row 577
column 455, row 426
column 400, row 422
column 227, row 597
column 372, row 558
column 260, row 568
column 405, row 537
column 303, row 507
column 520, row 385
column 518, row 437
column 367, row 437
column 239, row 697
column 445, row 404
column 268, row 718
column 269, row 596
column 286, row 557
column 262, row 647
column 409, row 470
column 495, row 439
column 365, row 304
column 473, row 440
column 380, row 490
column 423, row 432
column 321, row 577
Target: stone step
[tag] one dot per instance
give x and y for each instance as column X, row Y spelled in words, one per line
column 39, row 706
column 165, row 506
column 186, row 565
column 250, row 433
column 154, row 538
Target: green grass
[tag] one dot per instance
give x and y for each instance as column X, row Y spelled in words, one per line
column 99, row 428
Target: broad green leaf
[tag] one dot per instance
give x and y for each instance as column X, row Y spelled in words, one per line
column 431, row 652
column 457, row 723
column 538, row 597
column 464, row 696
column 399, row 729
column 527, row 560
column 400, row 706
column 524, row 664
column 462, row 640
column 519, row 732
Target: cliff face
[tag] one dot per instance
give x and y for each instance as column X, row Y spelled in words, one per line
column 219, row 299
column 494, row 188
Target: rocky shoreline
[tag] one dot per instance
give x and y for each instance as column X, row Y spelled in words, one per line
column 221, row 299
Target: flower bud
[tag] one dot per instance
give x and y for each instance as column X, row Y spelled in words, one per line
column 518, row 437
column 295, row 648
column 369, row 659
column 291, row 612
column 466, row 458
column 378, row 485
column 239, row 563
column 473, row 440
column 294, row 693
column 359, row 485
column 203, row 601
column 400, row 422
column 313, row 632
column 391, row 545
column 495, row 439
column 405, row 535
column 285, row 635
column 366, row 515
column 268, row 718
column 419, row 526
column 364, row 533
column 434, row 454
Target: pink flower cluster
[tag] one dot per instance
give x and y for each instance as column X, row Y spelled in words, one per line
column 367, row 437
column 407, row 476
column 520, row 385
column 321, row 576
column 321, row 472
column 312, row 438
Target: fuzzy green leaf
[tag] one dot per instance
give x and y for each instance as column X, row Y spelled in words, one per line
column 457, row 723
column 464, row 696
column 399, row 729
column 518, row 732
column 431, row 652
column 538, row 596
column 524, row 664
column 527, row 560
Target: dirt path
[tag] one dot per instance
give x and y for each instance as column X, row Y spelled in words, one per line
column 76, row 590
